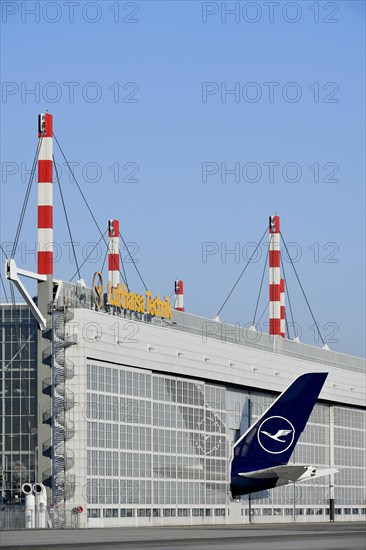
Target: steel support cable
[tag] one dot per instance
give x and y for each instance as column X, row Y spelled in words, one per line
column 3, row 285
column 1, row 277
column 265, row 309
column 90, row 253
column 87, row 204
column 124, row 271
column 26, row 198
column 133, row 261
column 289, row 303
column 78, row 186
column 261, row 285
column 303, row 291
column 3, row 251
column 242, row 273
column 67, row 218
column 105, row 257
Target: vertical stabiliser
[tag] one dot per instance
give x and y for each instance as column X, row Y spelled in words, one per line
column 271, row 440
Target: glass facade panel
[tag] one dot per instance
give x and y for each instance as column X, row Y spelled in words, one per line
column 350, row 456
column 18, row 399
column 181, row 426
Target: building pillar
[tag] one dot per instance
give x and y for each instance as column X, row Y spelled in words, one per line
column 331, row 463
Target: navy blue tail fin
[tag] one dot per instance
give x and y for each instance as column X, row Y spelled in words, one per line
column 272, row 439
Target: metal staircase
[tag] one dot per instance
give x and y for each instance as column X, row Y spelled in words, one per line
column 62, row 483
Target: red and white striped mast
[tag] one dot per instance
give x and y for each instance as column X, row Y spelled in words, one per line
column 179, row 298
column 274, row 277
column 113, row 253
column 45, row 283
column 45, row 201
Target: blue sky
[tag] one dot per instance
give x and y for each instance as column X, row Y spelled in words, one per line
column 150, row 96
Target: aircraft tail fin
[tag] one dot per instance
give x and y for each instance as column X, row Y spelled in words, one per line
column 272, row 439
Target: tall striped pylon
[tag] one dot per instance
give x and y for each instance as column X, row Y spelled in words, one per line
column 45, row 201
column 179, row 301
column 274, row 276
column 282, row 300
column 113, row 252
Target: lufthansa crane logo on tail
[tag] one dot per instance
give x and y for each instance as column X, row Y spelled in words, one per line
column 276, row 434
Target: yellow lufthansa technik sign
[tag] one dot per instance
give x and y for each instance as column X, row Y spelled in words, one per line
column 121, row 297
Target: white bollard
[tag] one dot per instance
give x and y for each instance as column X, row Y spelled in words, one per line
column 41, row 504
column 27, row 489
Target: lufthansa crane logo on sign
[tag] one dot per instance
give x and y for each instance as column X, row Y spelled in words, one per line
column 276, row 434
column 98, row 289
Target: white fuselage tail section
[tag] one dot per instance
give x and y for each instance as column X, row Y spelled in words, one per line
column 288, row 474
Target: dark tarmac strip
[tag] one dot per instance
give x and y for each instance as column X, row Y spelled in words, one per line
column 315, row 536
